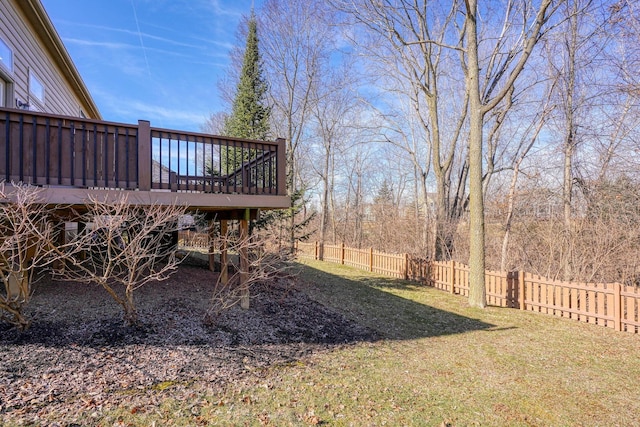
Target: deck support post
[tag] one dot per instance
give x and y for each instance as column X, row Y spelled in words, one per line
column 211, row 243
column 60, row 229
column 82, row 226
column 224, row 256
column 244, row 260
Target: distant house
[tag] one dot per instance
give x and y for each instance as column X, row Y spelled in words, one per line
column 161, row 173
column 36, row 71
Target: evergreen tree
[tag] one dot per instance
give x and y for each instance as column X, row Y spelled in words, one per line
column 278, row 221
column 385, row 195
column 250, row 115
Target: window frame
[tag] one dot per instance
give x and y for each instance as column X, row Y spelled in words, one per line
column 6, row 65
column 39, row 98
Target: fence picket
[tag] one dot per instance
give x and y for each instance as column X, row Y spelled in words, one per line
column 557, row 301
column 591, row 305
column 601, row 313
column 566, row 302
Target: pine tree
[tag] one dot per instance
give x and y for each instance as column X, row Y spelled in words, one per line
column 385, row 195
column 250, row 115
column 278, row 221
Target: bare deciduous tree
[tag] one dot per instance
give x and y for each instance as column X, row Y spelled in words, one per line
column 124, row 247
column 26, row 235
column 269, row 264
column 215, row 123
column 459, row 68
column 411, row 44
column 526, row 142
column 335, row 116
column 296, row 40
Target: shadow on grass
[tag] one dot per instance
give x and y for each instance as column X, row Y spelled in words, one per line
column 394, row 317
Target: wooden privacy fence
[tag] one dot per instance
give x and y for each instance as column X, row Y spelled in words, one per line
column 364, row 259
column 192, row 239
column 611, row 305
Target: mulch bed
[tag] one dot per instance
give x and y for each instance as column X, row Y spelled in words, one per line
column 78, row 359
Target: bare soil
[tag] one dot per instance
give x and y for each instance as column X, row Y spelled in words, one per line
column 78, row 358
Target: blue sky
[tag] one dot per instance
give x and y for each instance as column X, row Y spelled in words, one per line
column 156, row 60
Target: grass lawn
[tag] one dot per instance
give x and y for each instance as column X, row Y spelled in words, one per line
column 438, row 363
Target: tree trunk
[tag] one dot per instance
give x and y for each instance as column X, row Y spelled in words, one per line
column 130, row 312
column 567, row 190
column 569, row 144
column 512, row 190
column 325, row 199
column 424, row 229
column 477, row 292
column 507, row 223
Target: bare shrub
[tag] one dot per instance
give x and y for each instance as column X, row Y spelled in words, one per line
column 124, row 247
column 269, row 265
column 26, row 234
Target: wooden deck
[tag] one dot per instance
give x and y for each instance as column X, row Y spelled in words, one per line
column 71, row 158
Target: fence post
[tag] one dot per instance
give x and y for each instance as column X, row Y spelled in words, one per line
column 521, row 290
column 406, row 266
column 371, row 259
column 316, row 254
column 342, row 254
column 617, row 309
column 452, row 278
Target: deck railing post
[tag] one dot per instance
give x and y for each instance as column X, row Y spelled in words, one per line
column 281, row 164
column 144, row 155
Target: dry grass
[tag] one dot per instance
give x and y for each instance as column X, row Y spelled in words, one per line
column 444, row 363
column 440, row 363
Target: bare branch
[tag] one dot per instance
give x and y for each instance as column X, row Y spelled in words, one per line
column 123, row 247
column 26, row 236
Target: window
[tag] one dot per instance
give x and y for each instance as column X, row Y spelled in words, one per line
column 36, row 88
column 6, row 56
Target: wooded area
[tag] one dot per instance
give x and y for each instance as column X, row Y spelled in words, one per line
column 387, row 106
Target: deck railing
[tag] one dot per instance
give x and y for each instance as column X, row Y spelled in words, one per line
column 51, row 150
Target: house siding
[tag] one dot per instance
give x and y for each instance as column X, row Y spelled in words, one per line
column 30, row 54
